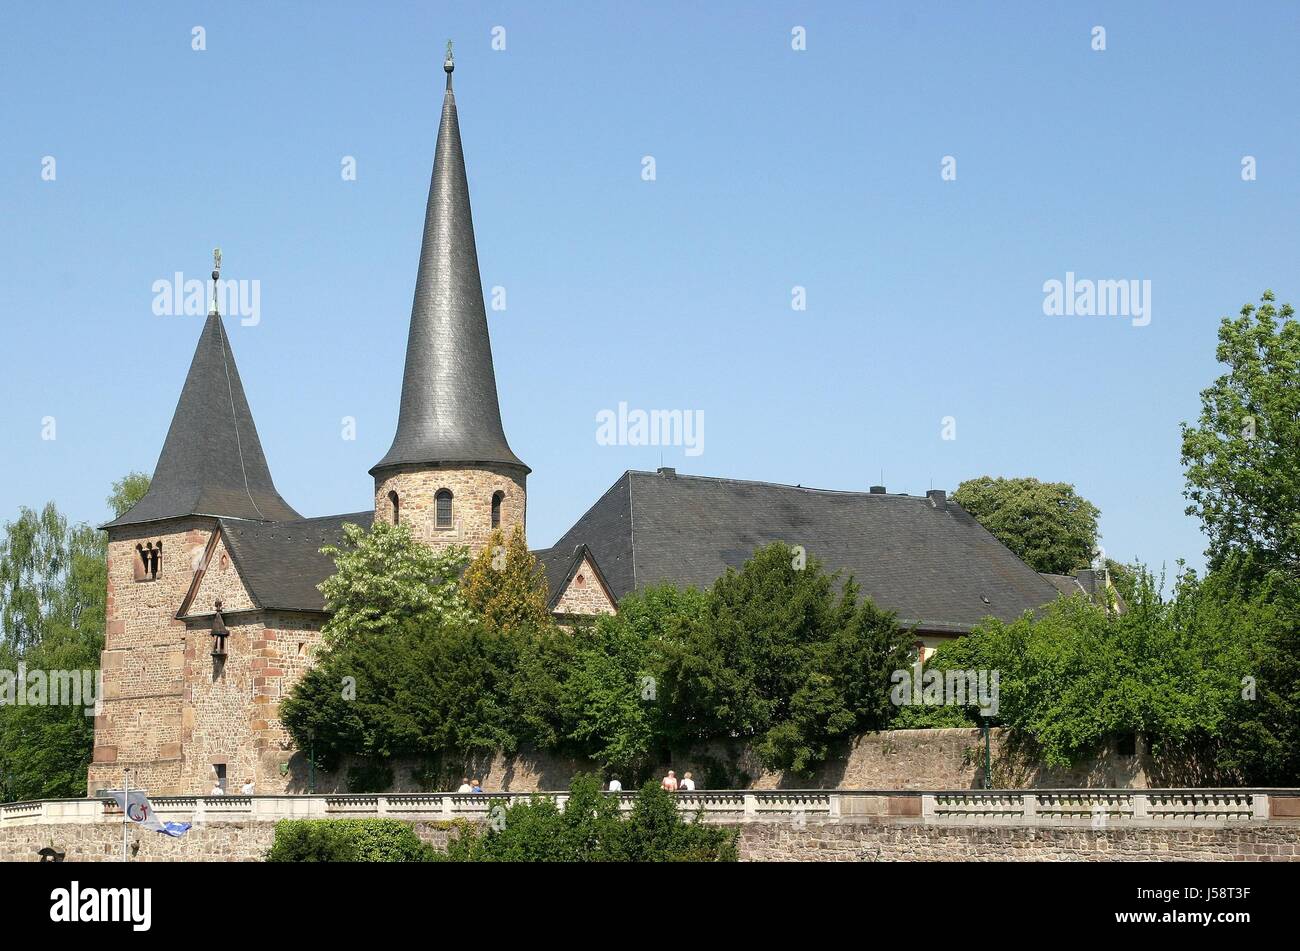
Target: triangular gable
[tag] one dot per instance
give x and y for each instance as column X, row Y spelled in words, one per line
column 217, row 577
column 584, row 589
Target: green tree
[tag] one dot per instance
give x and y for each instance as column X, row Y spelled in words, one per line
column 1046, row 523
column 1078, row 675
column 1243, row 456
column 127, row 491
column 505, row 586
column 614, row 704
column 384, row 576
column 1261, row 746
column 783, row 658
column 52, row 591
column 409, row 667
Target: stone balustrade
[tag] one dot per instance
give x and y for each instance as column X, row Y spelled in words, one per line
column 965, row 807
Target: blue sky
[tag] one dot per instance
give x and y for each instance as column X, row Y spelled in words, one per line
column 775, row 168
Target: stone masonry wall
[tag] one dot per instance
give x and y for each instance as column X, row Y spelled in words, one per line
column 897, row 759
column 244, row 841
column 472, row 489
column 910, row 840
column 926, row 760
column 855, row 840
column 140, row 723
column 231, row 712
column 585, row 594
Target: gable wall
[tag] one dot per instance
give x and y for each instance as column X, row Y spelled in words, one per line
column 221, row 582
column 584, row 594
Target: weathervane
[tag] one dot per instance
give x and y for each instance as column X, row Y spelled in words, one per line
column 216, row 274
column 448, row 64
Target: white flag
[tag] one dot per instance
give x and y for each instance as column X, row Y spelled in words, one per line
column 140, row 811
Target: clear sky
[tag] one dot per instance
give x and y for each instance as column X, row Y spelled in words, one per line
column 775, row 168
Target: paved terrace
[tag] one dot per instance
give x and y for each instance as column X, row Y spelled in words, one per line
column 1047, row 807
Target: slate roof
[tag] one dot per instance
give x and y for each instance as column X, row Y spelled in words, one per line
column 931, row 563
column 1067, row 585
column 1090, row 583
column 281, row 562
column 212, row 461
column 449, row 410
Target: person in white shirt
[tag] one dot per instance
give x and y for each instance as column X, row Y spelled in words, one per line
column 687, row 784
column 247, row 788
column 615, row 785
column 465, row 787
column 217, row 790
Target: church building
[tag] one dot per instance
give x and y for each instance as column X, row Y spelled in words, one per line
column 214, row 610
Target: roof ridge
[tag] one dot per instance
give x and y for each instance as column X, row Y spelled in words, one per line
column 786, row 485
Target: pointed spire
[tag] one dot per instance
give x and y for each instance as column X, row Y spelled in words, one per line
column 449, row 411
column 211, row 461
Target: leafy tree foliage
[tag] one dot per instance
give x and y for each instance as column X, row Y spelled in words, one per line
column 1078, row 675
column 1046, row 523
column 774, row 653
column 385, row 576
column 1243, row 456
column 618, row 705
column 52, row 589
column 427, row 667
column 590, row 829
column 410, row 668
column 347, row 840
column 1262, row 745
column 505, row 586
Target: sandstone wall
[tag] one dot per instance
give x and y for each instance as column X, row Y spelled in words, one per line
column 144, row 646
column 585, row 594
column 210, row 842
column 927, row 760
column 897, row 759
column 471, row 513
column 900, row 840
column 857, row 840
column 231, row 710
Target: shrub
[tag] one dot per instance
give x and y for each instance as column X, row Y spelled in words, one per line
column 590, row 829
column 347, row 840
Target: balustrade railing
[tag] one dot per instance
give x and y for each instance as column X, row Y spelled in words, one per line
column 1049, row 806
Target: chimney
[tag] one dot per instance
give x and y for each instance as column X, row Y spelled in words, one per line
column 877, row 490
column 938, row 498
column 667, row 472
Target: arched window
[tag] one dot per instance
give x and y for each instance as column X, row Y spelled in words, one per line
column 497, row 499
column 150, row 561
column 443, row 500
column 396, row 507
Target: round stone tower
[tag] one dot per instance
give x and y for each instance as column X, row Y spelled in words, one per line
column 450, row 474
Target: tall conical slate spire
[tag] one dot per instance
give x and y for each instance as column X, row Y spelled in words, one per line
column 211, row 462
column 449, row 411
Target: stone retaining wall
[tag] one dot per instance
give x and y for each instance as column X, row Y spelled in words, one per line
column 886, row 839
column 901, row 840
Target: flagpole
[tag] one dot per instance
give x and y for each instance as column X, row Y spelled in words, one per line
column 126, row 805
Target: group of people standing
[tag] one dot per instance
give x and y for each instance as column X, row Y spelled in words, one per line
column 669, row 782
column 673, row 784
